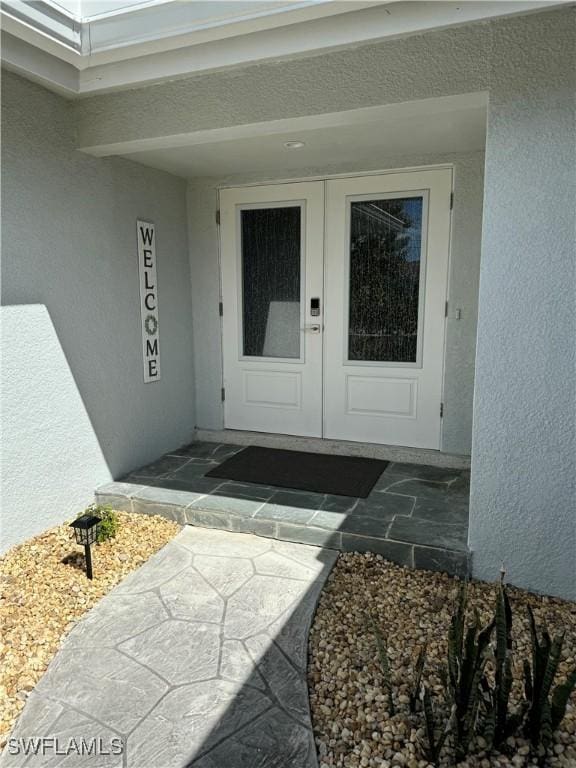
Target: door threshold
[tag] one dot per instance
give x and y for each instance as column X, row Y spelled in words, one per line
column 341, row 447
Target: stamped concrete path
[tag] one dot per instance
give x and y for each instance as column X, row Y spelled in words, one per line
column 196, row 659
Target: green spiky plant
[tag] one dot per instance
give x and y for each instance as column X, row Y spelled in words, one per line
column 415, row 693
column 499, row 722
column 503, row 675
column 479, row 705
column 468, row 652
column 546, row 707
column 382, row 648
column 434, row 744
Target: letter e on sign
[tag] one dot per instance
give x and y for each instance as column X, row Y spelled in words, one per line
column 148, row 299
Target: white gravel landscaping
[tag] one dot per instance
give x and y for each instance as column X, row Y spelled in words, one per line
column 348, row 696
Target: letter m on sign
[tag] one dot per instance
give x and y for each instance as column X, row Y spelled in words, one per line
column 148, row 300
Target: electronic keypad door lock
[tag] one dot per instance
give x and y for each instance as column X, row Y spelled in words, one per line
column 315, row 307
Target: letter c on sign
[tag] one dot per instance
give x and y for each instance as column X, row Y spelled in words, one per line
column 149, row 296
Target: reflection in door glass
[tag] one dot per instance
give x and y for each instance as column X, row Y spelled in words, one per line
column 271, row 281
column 385, row 249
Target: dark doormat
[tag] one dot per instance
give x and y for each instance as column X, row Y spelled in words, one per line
column 316, row 472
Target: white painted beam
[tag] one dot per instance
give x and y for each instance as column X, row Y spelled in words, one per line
column 406, row 110
column 39, row 66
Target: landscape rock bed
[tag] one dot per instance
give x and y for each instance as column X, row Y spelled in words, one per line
column 44, row 591
column 348, row 696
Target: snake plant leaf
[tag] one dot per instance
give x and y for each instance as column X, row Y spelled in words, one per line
column 453, row 658
column 528, row 685
column 540, row 716
column 544, row 715
column 443, row 675
column 503, row 664
column 536, row 650
column 552, row 665
column 560, row 698
column 456, row 637
column 384, row 663
column 546, row 730
column 484, row 639
column 503, row 619
column 544, row 656
column 468, row 695
column 468, row 666
column 515, row 721
column 490, row 725
column 432, row 752
column 435, row 745
column 418, row 670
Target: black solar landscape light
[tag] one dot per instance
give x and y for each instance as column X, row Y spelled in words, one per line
column 86, row 532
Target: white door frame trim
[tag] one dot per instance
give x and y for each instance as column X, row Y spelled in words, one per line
column 302, row 376
column 329, row 177
column 411, row 412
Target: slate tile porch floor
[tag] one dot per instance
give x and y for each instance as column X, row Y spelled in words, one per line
column 416, row 515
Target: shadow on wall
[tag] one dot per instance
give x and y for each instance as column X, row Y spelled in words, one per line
column 51, row 456
column 77, row 255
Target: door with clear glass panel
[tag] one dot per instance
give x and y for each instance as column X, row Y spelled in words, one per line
column 272, row 293
column 387, row 244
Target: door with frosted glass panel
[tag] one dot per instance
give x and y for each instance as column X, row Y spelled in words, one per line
column 272, row 292
column 387, row 244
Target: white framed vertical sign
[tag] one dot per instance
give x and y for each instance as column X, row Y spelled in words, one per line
column 148, row 299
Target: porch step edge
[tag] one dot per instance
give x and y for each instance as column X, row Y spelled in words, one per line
column 143, row 499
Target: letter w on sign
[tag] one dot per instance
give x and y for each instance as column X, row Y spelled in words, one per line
column 148, row 299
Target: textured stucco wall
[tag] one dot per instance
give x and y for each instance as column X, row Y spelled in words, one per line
column 463, row 286
column 523, row 500
column 69, row 243
column 422, row 66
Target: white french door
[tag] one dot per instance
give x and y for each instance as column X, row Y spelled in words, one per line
column 334, row 294
column 271, row 254
column 387, row 241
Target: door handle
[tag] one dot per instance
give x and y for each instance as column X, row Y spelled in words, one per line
column 312, row 328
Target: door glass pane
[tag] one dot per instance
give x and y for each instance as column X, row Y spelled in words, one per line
column 271, row 281
column 385, row 251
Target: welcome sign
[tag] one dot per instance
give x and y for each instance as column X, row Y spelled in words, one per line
column 148, row 299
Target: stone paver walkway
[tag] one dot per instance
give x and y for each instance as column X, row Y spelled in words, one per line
column 196, row 659
column 416, row 515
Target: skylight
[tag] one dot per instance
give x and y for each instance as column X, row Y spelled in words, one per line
column 91, row 25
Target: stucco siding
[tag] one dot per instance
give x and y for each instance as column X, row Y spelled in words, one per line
column 523, row 500
column 69, row 243
column 422, row 66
